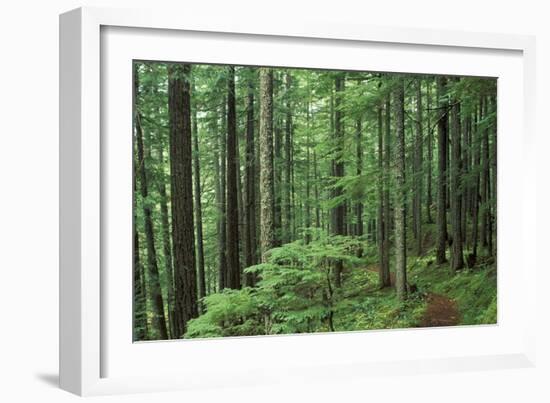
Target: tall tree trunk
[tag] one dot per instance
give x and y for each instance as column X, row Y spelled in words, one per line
column 383, row 274
column 222, row 235
column 294, row 208
column 288, row 213
column 476, row 189
column 165, row 222
column 220, row 204
column 155, row 292
column 340, row 210
column 484, row 179
column 258, row 161
column 198, row 209
column 267, row 239
column 448, row 153
column 442, row 134
column 489, row 185
column 316, row 190
column 140, row 328
column 181, row 159
column 387, row 213
column 278, row 186
column 307, row 204
column 467, row 187
column 233, row 264
column 429, row 197
column 399, row 175
column 331, row 191
column 241, row 210
column 359, row 161
column 418, row 162
column 166, row 243
column 494, row 149
column 457, row 261
column 250, row 227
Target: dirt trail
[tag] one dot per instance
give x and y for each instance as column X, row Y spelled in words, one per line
column 440, row 310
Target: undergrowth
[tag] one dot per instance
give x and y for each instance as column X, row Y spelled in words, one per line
column 474, row 290
column 296, row 294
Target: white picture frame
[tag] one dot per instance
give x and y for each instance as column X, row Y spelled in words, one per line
column 96, row 357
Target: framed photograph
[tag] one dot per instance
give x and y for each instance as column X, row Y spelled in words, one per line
column 242, row 202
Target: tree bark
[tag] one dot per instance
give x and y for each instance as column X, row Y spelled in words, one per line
column 278, row 186
column 155, row 292
column 220, row 203
column 307, row 204
column 492, row 249
column 387, row 199
column 383, row 274
column 250, row 171
column 466, row 172
column 359, row 158
column 233, row 264
column 166, row 243
column 429, row 196
column 475, row 191
column 198, row 209
column 442, row 129
column 140, row 328
column 316, row 190
column 241, row 209
column 340, row 210
column 418, row 162
column 387, row 212
column 288, row 213
column 457, row 261
column 183, row 234
column 294, row 205
column 222, row 235
column 399, row 175
column 484, row 180
column 267, row 239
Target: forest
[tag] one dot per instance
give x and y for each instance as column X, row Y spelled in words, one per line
column 275, row 200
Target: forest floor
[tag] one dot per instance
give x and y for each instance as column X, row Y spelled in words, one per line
column 440, row 311
column 438, row 297
column 469, row 297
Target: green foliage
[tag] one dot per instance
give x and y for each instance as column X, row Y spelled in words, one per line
column 378, row 309
column 490, row 314
column 473, row 290
column 229, row 313
column 296, row 295
column 295, row 292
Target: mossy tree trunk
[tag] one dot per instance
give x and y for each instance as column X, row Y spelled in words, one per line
column 399, row 178
column 250, row 193
column 267, row 236
column 232, row 212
